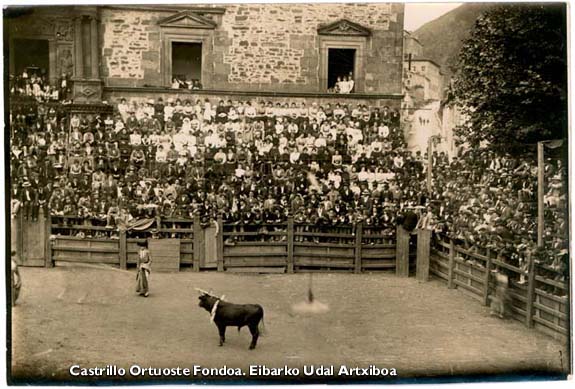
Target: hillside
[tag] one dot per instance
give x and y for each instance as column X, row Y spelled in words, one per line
column 443, row 37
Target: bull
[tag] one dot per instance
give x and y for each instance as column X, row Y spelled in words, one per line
column 225, row 314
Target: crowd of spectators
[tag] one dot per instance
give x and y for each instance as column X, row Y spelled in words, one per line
column 326, row 165
column 33, row 83
column 484, row 200
column 256, row 162
column 183, row 82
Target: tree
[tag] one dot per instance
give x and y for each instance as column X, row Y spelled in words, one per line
column 512, row 76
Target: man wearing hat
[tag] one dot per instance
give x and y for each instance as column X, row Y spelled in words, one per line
column 29, row 200
column 159, row 111
column 56, row 202
column 132, row 121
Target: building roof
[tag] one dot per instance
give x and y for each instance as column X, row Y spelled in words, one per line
column 410, row 35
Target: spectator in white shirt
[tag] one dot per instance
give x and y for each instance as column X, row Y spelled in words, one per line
column 123, row 109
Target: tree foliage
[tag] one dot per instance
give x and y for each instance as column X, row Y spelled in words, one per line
column 512, row 75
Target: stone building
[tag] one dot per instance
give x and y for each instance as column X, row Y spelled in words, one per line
column 422, row 103
column 451, row 117
column 243, row 50
column 423, row 79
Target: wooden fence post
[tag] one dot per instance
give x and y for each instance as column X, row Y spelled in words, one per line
column 423, row 250
column 48, row 246
column 123, row 252
column 450, row 283
column 402, row 252
column 198, row 242
column 530, row 291
column 220, row 243
column 358, row 239
column 290, row 232
column 486, row 278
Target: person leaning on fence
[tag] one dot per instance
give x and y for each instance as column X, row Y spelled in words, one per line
column 144, row 269
column 16, row 279
column 500, row 297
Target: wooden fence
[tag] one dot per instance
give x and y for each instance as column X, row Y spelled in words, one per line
column 264, row 248
column 76, row 239
column 289, row 247
column 535, row 299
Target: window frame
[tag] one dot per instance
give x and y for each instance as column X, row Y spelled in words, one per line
column 172, row 57
column 168, row 38
column 359, row 43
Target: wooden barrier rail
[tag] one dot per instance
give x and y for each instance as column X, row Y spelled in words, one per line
column 290, row 247
column 535, row 300
column 280, row 247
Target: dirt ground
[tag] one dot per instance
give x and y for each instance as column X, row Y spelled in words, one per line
column 93, row 318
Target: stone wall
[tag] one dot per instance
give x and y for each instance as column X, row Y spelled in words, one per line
column 130, row 48
column 256, row 47
column 274, row 44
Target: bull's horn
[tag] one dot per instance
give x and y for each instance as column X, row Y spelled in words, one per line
column 206, row 293
column 201, row 291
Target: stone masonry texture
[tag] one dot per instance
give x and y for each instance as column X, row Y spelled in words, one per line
column 271, row 47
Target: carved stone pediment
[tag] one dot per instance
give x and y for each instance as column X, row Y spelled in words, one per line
column 47, row 27
column 344, row 27
column 187, row 19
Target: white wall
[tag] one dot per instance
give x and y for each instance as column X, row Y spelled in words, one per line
column 422, row 124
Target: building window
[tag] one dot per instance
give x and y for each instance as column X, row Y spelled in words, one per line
column 187, row 48
column 342, row 48
column 187, row 61
column 341, row 64
column 341, row 57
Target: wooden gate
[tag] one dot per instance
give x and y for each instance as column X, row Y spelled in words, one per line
column 29, row 240
column 165, row 254
column 210, row 257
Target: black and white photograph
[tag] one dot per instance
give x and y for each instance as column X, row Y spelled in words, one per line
column 265, row 193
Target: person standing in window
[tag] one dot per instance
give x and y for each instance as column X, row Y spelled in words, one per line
column 176, row 84
column 338, row 85
column 350, row 83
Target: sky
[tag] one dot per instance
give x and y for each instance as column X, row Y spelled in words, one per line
column 417, row 14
